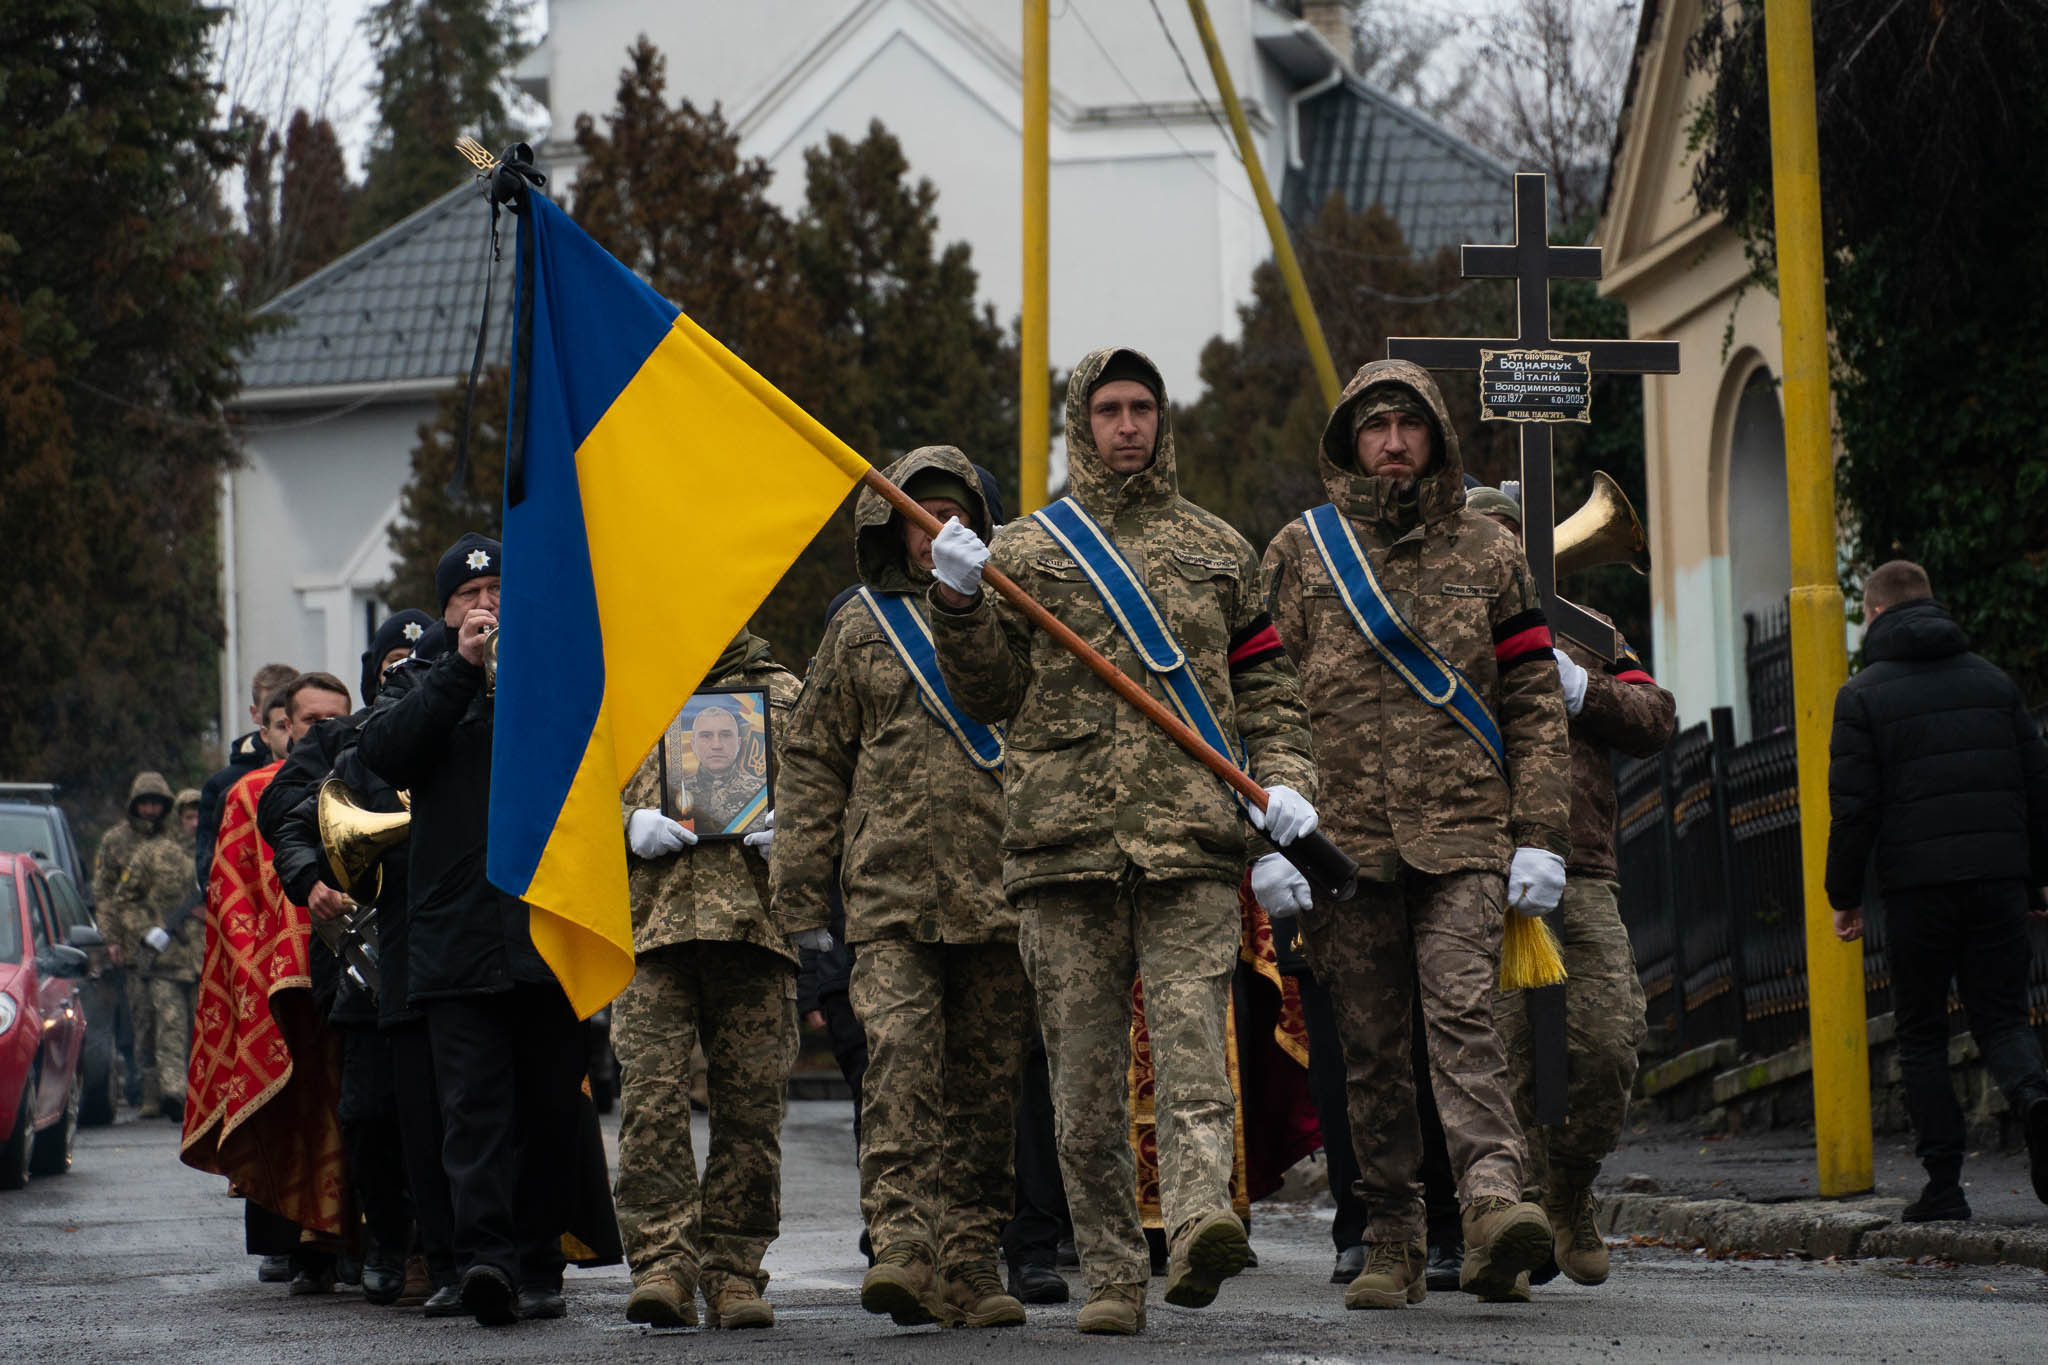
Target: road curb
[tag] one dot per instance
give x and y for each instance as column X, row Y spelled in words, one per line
column 1816, row 1228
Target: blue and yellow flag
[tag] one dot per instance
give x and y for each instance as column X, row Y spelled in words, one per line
column 660, row 490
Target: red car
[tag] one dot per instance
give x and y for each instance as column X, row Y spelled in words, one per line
column 42, row 1025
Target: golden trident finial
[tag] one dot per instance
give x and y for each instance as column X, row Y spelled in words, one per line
column 478, row 156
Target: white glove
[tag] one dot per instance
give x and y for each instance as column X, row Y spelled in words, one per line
column 1278, row 887
column 1287, row 816
column 650, row 834
column 1535, row 881
column 157, row 939
column 957, row 558
column 812, row 940
column 763, row 838
column 1574, row 679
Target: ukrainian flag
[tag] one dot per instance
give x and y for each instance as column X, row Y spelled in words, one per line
column 662, row 489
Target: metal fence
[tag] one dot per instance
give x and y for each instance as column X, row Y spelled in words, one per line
column 1713, row 894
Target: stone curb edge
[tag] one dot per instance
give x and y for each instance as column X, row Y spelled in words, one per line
column 1816, row 1228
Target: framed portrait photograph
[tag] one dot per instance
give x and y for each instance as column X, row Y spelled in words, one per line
column 715, row 775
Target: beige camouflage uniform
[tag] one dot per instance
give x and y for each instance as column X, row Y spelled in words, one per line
column 872, row 780
column 1413, row 797
column 1624, row 709
column 712, row 968
column 159, row 881
column 1122, row 853
column 110, row 861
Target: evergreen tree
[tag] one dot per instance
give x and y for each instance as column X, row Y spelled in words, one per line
column 118, row 334
column 429, row 521
column 297, row 200
column 441, row 67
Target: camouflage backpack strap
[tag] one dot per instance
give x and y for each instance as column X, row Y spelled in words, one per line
column 1399, row 645
column 1138, row 616
column 910, row 635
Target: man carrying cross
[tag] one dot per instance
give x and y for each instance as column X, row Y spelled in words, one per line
column 1440, row 732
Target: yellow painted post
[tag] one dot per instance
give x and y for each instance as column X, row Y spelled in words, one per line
column 1820, row 663
column 1034, row 406
column 1283, row 250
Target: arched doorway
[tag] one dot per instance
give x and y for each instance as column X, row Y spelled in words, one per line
column 1759, row 554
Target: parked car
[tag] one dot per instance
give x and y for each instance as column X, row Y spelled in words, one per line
column 32, row 822
column 42, row 1024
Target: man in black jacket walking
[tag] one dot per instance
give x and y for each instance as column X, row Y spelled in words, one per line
column 1936, row 765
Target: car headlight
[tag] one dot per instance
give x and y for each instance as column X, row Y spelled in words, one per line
column 8, row 1010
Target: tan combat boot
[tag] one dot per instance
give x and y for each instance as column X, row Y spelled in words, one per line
column 1208, row 1251
column 900, row 1284
column 1392, row 1277
column 973, row 1297
column 663, row 1298
column 1575, row 1238
column 1504, row 1240
column 1114, row 1310
column 734, row 1304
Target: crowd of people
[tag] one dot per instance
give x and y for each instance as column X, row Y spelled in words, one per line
column 1015, row 908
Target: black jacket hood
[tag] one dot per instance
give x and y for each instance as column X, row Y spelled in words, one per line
column 1914, row 631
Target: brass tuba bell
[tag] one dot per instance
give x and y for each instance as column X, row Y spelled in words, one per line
column 1604, row 531
column 354, row 839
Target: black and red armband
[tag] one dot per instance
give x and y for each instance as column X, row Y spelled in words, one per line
column 1255, row 644
column 1522, row 638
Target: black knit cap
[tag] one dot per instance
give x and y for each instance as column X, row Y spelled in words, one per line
column 401, row 629
column 1128, row 365
column 473, row 556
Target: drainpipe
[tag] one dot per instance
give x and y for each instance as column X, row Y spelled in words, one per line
column 1303, row 96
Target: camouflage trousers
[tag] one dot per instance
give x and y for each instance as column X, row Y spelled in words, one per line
column 1083, row 943
column 142, row 1019
column 1604, row 1026
column 739, row 1001
column 946, row 1026
column 1441, row 935
column 171, row 1002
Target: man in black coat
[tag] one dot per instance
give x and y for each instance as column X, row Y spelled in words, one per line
column 508, row 1051
column 1937, row 768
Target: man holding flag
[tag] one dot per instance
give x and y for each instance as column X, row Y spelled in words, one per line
column 1122, row 853
column 1440, row 728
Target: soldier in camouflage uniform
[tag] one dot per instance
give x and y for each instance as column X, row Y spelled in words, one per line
column 713, row 967
column 872, row 779
column 149, row 804
column 1612, row 706
column 1122, row 853
column 1445, row 840
column 155, row 899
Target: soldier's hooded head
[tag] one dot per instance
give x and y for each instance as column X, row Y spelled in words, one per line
column 400, row 634
column 1119, row 431
column 186, row 807
column 149, row 801
column 891, row 554
column 1389, row 451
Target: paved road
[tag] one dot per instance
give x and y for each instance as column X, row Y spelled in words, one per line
column 132, row 1257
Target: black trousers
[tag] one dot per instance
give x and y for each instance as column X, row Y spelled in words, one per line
column 417, row 1100
column 849, row 1047
column 1033, row 1234
column 372, row 1139
column 510, row 1068
column 1975, row 934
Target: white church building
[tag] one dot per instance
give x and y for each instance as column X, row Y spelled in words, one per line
column 1154, row 231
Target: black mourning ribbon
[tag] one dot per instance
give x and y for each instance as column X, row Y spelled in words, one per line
column 508, row 185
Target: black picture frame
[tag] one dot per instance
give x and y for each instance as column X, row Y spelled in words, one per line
column 735, row 800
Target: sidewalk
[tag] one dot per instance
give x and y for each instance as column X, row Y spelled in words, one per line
column 1757, row 1193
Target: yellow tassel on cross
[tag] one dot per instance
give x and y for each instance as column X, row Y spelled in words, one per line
column 1529, row 954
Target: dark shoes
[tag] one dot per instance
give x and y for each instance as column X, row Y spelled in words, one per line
column 2034, row 1123
column 313, row 1281
column 1350, row 1265
column 383, row 1280
column 536, row 1305
column 488, row 1294
column 1037, row 1284
column 1940, row 1201
column 274, row 1270
column 445, row 1302
column 172, row 1107
column 1446, row 1259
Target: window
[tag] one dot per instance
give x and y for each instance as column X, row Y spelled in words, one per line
column 70, row 909
column 27, row 831
column 10, row 923
column 38, row 911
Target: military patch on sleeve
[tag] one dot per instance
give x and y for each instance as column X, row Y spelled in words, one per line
column 1470, row 590
column 1255, row 644
column 1629, row 668
column 1522, row 638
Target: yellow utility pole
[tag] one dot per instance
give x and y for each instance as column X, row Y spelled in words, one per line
column 1820, row 660
column 1283, row 251
column 1034, row 405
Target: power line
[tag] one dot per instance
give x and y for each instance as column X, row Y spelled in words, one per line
column 1193, row 84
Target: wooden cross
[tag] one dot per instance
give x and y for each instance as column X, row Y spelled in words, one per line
column 1532, row 263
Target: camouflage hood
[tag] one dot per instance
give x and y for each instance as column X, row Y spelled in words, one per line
column 745, row 650
column 1094, row 484
column 1440, row 493
column 148, row 784
column 878, row 551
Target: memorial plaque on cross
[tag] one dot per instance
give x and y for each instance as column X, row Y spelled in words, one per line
column 1536, row 380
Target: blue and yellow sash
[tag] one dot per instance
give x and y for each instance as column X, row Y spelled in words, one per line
column 1399, row 645
column 911, row 636
column 1135, row 613
column 748, row 813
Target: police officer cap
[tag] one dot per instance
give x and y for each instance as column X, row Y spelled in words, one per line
column 401, row 629
column 473, row 556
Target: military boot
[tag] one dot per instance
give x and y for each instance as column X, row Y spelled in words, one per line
column 1114, row 1310
column 1392, row 1277
column 664, row 1298
column 973, row 1297
column 1575, row 1238
column 1207, row 1252
column 900, row 1284
column 1503, row 1240
column 734, row 1303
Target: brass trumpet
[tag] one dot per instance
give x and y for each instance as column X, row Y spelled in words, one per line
column 491, row 662
column 354, row 841
column 1604, row 531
